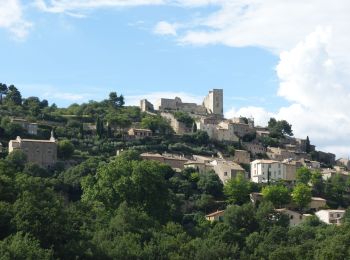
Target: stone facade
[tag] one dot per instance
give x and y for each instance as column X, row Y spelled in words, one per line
column 41, row 152
column 241, row 156
column 227, row 170
column 213, row 102
column 254, row 148
column 222, row 131
column 178, row 127
column 212, row 105
column 279, row 154
column 139, row 133
column 174, row 161
column 165, row 104
column 145, row 105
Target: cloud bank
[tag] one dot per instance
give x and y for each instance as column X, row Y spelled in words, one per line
column 11, row 18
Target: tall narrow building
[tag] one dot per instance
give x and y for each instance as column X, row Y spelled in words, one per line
column 214, row 102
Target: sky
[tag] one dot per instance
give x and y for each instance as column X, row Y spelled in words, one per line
column 273, row 58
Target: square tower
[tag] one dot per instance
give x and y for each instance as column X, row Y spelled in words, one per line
column 214, row 102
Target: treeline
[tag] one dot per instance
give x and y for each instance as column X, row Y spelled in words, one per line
column 126, row 208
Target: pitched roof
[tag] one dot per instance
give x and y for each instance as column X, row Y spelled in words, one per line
column 216, row 213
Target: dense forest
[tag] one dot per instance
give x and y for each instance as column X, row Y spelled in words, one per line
column 95, row 205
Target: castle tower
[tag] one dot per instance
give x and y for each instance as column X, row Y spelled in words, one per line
column 214, row 102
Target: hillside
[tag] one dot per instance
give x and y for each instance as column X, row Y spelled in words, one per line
column 104, row 199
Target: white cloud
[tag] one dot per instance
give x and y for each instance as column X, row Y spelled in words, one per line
column 11, row 18
column 67, row 6
column 165, row 28
column 316, row 85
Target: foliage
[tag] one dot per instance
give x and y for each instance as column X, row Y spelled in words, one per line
column 65, row 149
column 303, row 175
column 237, row 190
column 277, row 194
column 279, row 128
column 301, row 195
column 184, row 118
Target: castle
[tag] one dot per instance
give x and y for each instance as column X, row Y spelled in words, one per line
column 212, row 105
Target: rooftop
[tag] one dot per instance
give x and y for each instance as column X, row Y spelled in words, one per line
column 216, row 213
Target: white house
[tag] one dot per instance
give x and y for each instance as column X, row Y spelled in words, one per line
column 264, row 170
column 331, row 216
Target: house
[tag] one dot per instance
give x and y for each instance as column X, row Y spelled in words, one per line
column 138, row 133
column 295, row 218
column 41, row 152
column 264, row 171
column 331, row 216
column 215, row 216
column 220, row 131
column 174, row 161
column 279, row 154
column 344, row 162
column 200, row 167
column 241, row 156
column 227, row 170
column 31, row 128
column 254, row 147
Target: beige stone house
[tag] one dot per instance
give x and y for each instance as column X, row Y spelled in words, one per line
column 241, row 156
column 41, row 152
column 215, row 216
column 295, row 218
column 138, row 133
column 177, row 163
column 227, row 170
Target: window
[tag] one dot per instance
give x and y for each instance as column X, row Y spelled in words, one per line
column 291, row 216
column 225, row 173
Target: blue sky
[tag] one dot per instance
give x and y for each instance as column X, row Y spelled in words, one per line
column 117, row 50
column 269, row 56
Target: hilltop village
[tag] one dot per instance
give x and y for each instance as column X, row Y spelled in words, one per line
column 179, row 163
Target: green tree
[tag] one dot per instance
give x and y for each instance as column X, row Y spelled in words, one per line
column 157, row 124
column 23, row 246
column 17, row 159
column 303, row 175
column 13, row 96
column 116, row 101
column 210, row 183
column 301, row 195
column 237, row 190
column 308, row 145
column 279, row 128
column 184, row 118
column 317, row 182
column 139, row 183
column 277, row 194
column 65, row 149
column 241, row 218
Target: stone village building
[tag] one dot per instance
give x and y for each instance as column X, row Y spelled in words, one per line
column 41, row 152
